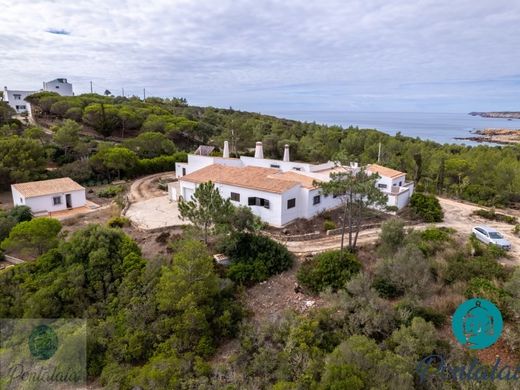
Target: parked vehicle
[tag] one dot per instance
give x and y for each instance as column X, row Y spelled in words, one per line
column 489, row 235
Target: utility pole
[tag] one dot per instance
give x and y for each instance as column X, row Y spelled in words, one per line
column 144, row 94
column 379, row 154
column 123, row 92
column 91, row 87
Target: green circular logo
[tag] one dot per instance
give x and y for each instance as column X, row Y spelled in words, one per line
column 477, row 323
column 43, row 342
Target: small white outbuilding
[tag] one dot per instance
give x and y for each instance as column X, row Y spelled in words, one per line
column 47, row 196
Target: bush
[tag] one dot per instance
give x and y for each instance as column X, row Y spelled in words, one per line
column 484, row 288
column 427, row 313
column 461, row 268
column 516, row 229
column 493, row 216
column 256, row 258
column 110, row 191
column 118, row 222
column 392, row 209
column 160, row 164
column 329, row 225
column 386, row 289
column 427, row 207
column 328, row 270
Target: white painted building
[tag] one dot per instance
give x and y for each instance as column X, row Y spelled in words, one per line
column 278, row 191
column 60, row 86
column 16, row 98
column 47, row 196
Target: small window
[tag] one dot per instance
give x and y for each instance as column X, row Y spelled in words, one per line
column 291, row 203
column 56, row 200
column 57, row 87
column 297, row 168
column 235, row 196
column 17, row 96
column 400, row 183
column 275, row 166
column 253, row 201
column 382, row 186
column 21, row 200
column 316, row 199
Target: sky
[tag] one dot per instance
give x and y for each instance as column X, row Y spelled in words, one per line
column 273, row 56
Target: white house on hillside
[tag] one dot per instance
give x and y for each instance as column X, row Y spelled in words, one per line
column 16, row 98
column 47, row 196
column 278, row 191
column 60, row 86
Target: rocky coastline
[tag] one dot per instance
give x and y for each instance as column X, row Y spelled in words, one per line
column 496, row 136
column 497, row 114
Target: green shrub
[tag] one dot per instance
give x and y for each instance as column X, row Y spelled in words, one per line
column 118, row 222
column 493, row 216
column 386, row 289
column 392, row 209
column 485, row 266
column 427, row 207
column 329, row 225
column 427, row 313
column 160, row 164
column 110, row 191
column 485, row 288
column 255, row 258
column 328, row 270
column 516, row 229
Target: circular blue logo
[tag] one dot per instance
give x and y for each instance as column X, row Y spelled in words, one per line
column 43, row 342
column 477, row 323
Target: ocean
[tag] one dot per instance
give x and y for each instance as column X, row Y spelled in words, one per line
column 438, row 127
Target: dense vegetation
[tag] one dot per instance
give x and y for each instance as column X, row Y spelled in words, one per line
column 160, row 323
column 158, row 127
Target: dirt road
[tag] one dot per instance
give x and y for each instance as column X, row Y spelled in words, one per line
column 146, row 187
column 457, row 215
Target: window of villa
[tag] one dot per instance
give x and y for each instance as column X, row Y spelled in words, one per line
column 297, row 168
column 291, row 203
column 17, row 97
column 275, row 166
column 56, row 200
column 235, row 196
column 382, row 186
column 253, row 201
column 316, row 199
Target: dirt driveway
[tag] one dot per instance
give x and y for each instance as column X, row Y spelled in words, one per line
column 150, row 208
column 457, row 215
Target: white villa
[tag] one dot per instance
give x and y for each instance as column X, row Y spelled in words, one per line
column 47, row 196
column 278, row 191
column 16, row 98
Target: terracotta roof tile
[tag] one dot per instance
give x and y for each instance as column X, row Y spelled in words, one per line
column 384, row 171
column 47, row 187
column 264, row 179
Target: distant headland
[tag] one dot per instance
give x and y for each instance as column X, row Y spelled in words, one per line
column 498, row 114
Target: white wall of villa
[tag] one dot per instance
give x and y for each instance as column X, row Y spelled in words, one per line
column 298, row 201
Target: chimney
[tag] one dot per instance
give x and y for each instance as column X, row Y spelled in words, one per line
column 225, row 153
column 286, row 153
column 259, row 151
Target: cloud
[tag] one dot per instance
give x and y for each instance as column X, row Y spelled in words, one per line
column 58, row 31
column 267, row 55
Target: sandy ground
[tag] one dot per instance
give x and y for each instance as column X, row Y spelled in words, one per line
column 146, row 187
column 150, row 207
column 457, row 215
column 155, row 213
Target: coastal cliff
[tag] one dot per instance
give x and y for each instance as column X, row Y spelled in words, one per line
column 498, row 114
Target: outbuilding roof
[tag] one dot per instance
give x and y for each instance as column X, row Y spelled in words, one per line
column 258, row 178
column 47, row 187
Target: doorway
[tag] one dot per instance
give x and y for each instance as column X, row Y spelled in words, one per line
column 68, row 201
